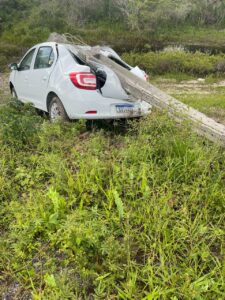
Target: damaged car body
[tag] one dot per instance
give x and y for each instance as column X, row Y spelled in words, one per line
column 56, row 79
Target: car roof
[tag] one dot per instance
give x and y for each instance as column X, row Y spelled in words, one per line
column 46, row 44
column 69, row 46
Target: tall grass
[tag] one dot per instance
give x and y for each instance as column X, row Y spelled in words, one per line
column 108, row 215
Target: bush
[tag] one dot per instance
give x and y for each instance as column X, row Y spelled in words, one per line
column 158, row 63
column 9, row 49
column 3, row 62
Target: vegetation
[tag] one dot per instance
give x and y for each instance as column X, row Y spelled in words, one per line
column 206, row 95
column 204, row 102
column 136, row 213
column 148, row 25
column 177, row 61
column 115, row 211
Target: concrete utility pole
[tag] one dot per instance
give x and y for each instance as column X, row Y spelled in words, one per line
column 139, row 89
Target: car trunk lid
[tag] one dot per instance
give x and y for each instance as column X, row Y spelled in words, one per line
column 108, row 82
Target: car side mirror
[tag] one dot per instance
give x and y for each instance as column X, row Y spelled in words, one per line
column 13, row 66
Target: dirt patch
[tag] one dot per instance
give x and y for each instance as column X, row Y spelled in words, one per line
column 198, row 86
column 4, row 88
column 14, row 291
column 219, row 84
column 190, row 86
column 217, row 114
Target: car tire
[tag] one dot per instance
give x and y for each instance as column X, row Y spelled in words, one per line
column 15, row 97
column 57, row 111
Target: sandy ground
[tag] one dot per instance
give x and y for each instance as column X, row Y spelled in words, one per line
column 4, row 88
column 189, row 87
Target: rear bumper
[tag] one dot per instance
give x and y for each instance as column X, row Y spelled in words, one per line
column 78, row 103
column 141, row 109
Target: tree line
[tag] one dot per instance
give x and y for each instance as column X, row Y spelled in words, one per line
column 135, row 14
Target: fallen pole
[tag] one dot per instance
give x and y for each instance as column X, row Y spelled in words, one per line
column 139, row 89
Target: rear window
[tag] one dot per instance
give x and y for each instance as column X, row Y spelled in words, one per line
column 120, row 62
column 77, row 59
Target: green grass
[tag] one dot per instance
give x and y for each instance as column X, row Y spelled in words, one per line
column 205, row 102
column 117, row 213
column 173, row 77
column 213, row 105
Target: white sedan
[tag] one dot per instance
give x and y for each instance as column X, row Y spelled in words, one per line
column 55, row 79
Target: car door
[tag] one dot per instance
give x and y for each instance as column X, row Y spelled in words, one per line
column 40, row 75
column 22, row 76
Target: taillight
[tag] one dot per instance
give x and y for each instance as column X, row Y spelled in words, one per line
column 84, row 80
column 91, row 112
column 146, row 77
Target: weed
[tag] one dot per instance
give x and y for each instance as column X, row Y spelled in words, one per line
column 104, row 215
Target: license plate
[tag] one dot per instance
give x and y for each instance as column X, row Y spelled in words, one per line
column 124, row 109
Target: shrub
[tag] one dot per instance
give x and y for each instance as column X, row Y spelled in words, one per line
column 3, row 62
column 158, row 63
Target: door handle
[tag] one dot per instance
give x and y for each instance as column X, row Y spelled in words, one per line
column 44, row 78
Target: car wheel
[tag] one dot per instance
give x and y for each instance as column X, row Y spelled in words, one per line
column 57, row 111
